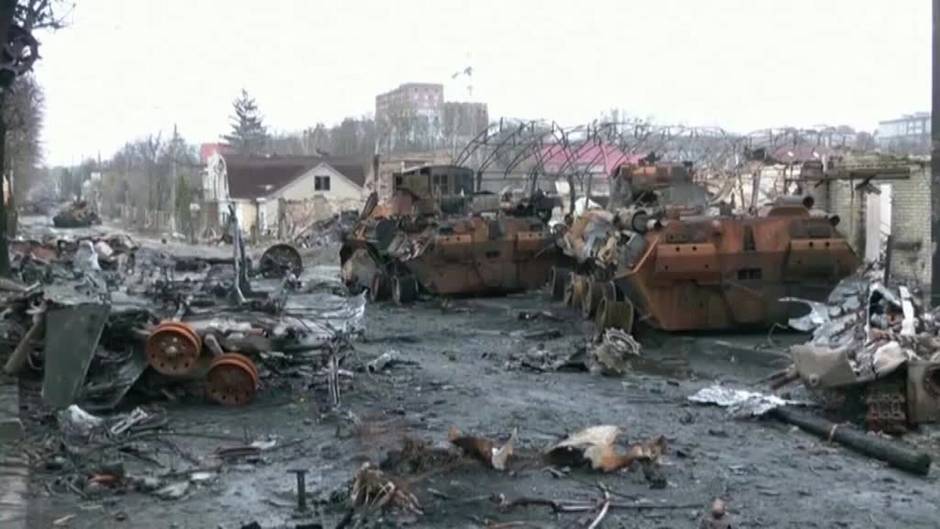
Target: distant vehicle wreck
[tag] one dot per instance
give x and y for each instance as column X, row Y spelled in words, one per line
column 78, row 214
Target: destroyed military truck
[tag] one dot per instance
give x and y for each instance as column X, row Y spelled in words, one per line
column 439, row 236
column 661, row 254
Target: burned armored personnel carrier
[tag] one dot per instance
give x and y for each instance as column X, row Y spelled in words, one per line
column 437, row 235
column 662, row 254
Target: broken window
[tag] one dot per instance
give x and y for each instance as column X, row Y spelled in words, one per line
column 321, row 183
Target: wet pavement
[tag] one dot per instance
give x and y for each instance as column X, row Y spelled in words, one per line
column 456, row 373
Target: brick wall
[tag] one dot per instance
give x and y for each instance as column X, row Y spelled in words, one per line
column 910, row 222
column 910, row 229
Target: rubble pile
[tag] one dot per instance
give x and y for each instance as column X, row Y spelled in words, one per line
column 104, row 322
column 873, row 346
column 100, row 315
column 327, row 231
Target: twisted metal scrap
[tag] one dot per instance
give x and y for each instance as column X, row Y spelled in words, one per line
column 622, row 342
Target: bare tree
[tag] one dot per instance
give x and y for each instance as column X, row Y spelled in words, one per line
column 18, row 21
column 23, row 115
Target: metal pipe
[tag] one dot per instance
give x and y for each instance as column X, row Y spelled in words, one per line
column 301, row 488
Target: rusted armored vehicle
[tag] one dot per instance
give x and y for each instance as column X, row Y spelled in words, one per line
column 662, row 255
column 437, row 235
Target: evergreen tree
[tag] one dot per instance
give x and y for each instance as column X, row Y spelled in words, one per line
column 248, row 135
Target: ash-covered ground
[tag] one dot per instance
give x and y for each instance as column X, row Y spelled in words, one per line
column 458, row 368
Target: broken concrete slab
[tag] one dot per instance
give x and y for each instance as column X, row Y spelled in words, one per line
column 72, row 335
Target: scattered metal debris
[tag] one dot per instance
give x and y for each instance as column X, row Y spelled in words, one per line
column 740, row 402
column 874, row 347
column 612, row 356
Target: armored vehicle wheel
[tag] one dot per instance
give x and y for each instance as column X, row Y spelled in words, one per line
column 558, row 282
column 404, row 289
column 609, row 292
column 571, row 288
column 593, row 292
column 173, row 348
column 379, row 289
column 232, row 379
column 574, row 293
column 614, row 314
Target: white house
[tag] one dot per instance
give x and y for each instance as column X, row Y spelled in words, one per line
column 275, row 194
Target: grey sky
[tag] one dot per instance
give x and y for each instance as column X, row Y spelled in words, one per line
column 125, row 68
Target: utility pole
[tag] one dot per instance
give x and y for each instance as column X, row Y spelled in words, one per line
column 935, row 159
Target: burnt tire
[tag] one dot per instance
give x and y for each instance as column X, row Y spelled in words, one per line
column 614, row 314
column 591, row 298
column 404, row 289
column 379, row 289
column 558, row 281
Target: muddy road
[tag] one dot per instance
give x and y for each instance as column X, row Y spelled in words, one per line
column 457, row 370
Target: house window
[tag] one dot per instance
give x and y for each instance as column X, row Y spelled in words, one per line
column 321, row 183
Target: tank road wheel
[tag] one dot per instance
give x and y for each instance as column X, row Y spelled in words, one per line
column 593, row 292
column 232, row 379
column 558, row 282
column 609, row 292
column 404, row 289
column 173, row 348
column 614, row 314
column 574, row 291
column 570, row 288
column 379, row 289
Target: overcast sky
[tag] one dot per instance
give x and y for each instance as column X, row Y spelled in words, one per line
column 126, row 68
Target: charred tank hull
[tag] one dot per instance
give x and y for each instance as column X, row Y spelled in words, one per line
column 728, row 273
column 707, row 272
column 460, row 257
